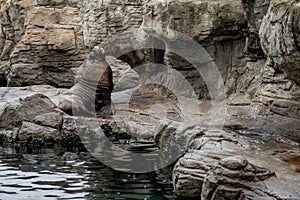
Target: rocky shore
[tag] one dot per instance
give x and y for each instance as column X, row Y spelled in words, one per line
column 245, row 160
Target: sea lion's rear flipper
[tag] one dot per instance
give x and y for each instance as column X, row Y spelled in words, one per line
column 108, row 109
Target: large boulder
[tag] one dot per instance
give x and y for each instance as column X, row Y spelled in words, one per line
column 222, row 165
column 30, row 117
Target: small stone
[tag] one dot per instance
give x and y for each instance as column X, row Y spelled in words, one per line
column 234, row 162
column 70, row 156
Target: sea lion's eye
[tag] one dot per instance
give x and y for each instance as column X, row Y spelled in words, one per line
column 92, row 56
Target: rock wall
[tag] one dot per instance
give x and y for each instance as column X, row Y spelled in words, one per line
column 102, row 19
column 207, row 22
column 216, row 25
column 280, row 36
column 275, row 25
column 51, row 37
column 41, row 42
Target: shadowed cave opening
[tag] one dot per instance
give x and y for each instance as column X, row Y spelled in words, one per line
column 3, row 81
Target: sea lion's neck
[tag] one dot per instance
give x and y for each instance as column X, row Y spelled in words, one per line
column 87, row 83
column 92, row 85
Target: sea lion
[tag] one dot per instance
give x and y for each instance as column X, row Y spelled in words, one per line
column 92, row 92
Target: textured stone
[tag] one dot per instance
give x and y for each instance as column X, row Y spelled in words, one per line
column 233, row 175
column 238, row 99
column 42, row 36
column 31, row 133
column 234, row 163
column 44, row 42
column 27, row 113
column 212, row 163
column 255, row 11
column 53, row 120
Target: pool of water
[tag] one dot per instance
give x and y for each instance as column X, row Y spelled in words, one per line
column 54, row 174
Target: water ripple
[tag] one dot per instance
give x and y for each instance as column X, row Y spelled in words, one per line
column 47, row 176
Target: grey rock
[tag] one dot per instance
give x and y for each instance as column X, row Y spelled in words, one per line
column 255, row 11
column 35, row 105
column 234, row 176
column 10, row 118
column 31, row 133
column 60, row 44
column 42, row 42
column 212, row 162
column 24, row 108
column 129, row 79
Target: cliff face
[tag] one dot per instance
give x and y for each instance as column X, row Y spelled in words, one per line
column 276, row 25
column 44, row 42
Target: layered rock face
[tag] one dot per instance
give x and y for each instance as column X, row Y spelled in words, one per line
column 41, row 42
column 213, row 163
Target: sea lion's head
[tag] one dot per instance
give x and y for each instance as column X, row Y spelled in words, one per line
column 95, row 65
column 97, row 54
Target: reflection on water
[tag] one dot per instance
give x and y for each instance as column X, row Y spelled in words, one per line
column 49, row 175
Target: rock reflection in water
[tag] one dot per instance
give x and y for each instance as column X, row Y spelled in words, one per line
column 49, row 175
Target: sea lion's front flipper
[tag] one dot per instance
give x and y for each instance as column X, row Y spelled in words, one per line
column 108, row 109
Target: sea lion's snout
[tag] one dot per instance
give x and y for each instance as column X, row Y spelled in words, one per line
column 98, row 52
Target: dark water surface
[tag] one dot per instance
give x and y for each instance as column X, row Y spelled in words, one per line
column 47, row 174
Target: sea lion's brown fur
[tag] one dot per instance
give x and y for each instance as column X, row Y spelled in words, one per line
column 93, row 90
